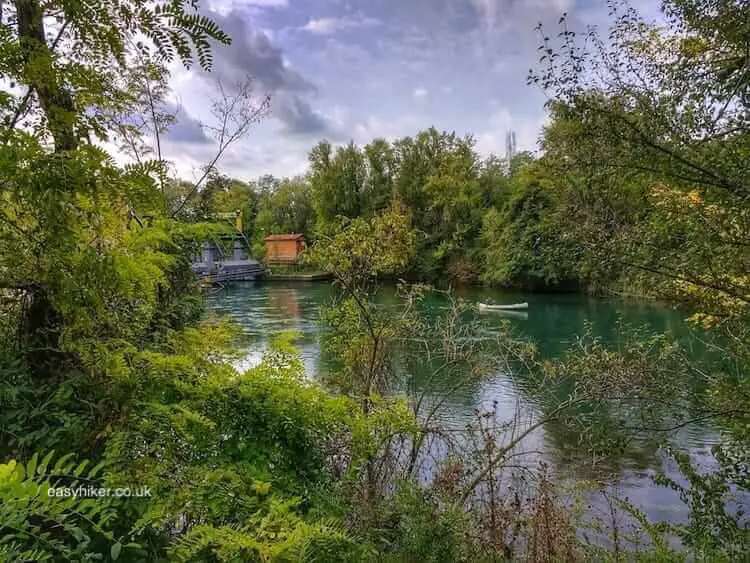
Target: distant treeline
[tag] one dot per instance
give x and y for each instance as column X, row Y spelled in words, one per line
column 476, row 219
column 546, row 222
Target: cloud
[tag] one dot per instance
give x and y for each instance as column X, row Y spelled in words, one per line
column 226, row 6
column 263, row 3
column 420, row 93
column 299, row 118
column 498, row 13
column 279, row 156
column 487, row 10
column 358, row 69
column 252, row 53
column 330, row 25
column 185, row 129
column 374, row 127
column 323, row 26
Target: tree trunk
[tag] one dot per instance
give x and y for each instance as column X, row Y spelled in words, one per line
column 41, row 76
column 41, row 325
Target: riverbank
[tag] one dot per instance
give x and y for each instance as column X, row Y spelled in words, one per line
column 298, row 276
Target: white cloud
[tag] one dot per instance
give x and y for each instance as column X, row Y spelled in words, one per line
column 487, row 11
column 323, row 26
column 226, row 6
column 329, row 26
column 387, row 128
column 263, row 3
column 420, row 93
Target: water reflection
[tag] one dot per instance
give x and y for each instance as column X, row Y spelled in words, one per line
column 284, row 301
column 553, row 322
column 507, row 314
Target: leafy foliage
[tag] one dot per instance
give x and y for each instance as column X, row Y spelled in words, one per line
column 643, row 183
column 715, row 529
column 38, row 526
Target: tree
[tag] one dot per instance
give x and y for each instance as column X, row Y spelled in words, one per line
column 221, row 195
column 664, row 109
column 67, row 70
column 288, row 209
column 526, row 244
column 75, row 64
column 669, row 101
column 381, row 169
column 337, row 179
column 494, row 182
column 649, row 142
column 137, row 127
column 108, row 360
column 437, row 180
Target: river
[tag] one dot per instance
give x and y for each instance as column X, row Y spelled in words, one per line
column 553, row 321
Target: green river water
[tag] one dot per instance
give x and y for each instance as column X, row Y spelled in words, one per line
column 553, row 321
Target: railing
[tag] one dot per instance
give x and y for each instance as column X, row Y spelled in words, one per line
column 244, row 274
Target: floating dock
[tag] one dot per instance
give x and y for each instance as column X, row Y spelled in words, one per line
column 214, row 267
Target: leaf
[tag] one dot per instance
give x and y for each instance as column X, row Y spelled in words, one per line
column 115, row 550
column 97, row 468
column 79, row 470
column 60, row 466
column 42, row 467
column 31, row 466
column 262, row 488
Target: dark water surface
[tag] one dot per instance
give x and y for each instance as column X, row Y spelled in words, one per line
column 552, row 321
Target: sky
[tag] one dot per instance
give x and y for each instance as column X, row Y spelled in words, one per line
column 355, row 70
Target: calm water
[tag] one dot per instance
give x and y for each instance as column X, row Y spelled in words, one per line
column 552, row 321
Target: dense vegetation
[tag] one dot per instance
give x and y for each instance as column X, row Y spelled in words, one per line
column 535, row 222
column 109, row 378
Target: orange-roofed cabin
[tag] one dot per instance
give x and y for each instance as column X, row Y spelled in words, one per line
column 284, row 249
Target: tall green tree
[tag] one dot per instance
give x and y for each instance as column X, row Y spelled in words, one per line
column 288, row 209
column 69, row 72
column 438, row 180
column 74, row 64
column 664, row 108
column 337, row 178
column 381, row 170
column 105, row 370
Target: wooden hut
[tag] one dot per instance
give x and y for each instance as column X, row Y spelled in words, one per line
column 284, row 249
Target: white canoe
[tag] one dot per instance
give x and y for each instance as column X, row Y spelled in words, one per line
column 513, row 307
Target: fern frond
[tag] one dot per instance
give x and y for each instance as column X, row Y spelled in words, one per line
column 37, row 523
